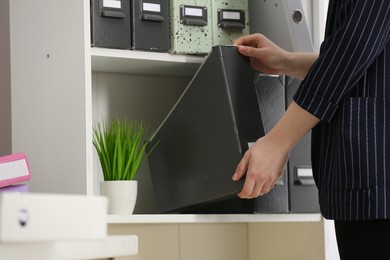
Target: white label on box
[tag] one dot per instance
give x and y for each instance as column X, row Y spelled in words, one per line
column 304, row 172
column 193, row 11
column 13, row 169
column 151, row 7
column 230, row 15
column 112, row 3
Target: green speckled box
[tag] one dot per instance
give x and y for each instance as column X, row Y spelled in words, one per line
column 230, row 20
column 190, row 31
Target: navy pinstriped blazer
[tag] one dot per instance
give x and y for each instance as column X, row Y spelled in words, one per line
column 348, row 88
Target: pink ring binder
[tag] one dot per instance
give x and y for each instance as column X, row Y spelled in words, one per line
column 14, row 168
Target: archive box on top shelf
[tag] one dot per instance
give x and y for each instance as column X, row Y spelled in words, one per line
column 110, row 24
column 191, row 28
column 230, row 20
column 150, row 25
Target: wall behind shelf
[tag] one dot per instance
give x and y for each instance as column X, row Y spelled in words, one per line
column 5, row 81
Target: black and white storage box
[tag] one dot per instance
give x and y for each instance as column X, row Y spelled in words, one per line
column 150, row 25
column 110, row 24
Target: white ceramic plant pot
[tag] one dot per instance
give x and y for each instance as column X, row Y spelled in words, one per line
column 122, row 196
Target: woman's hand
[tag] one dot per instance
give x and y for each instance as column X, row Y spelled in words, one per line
column 269, row 58
column 264, row 55
column 265, row 161
column 263, row 164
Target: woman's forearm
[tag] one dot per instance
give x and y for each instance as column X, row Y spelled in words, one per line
column 298, row 64
column 293, row 125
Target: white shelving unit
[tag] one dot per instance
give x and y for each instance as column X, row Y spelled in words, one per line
column 60, row 86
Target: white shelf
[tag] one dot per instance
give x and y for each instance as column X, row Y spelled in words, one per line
column 112, row 246
column 210, row 218
column 140, row 62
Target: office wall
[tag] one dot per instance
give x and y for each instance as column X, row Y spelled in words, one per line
column 5, row 81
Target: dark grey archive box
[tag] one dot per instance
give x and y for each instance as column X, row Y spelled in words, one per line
column 287, row 16
column 271, row 94
column 110, row 24
column 150, row 25
column 205, row 135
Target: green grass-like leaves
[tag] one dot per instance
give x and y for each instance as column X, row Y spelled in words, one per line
column 121, row 147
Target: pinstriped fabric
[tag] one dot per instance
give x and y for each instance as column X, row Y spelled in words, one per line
column 348, row 89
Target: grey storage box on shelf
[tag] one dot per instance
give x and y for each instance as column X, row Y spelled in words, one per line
column 150, row 25
column 293, row 35
column 110, row 24
column 190, row 30
column 204, row 137
column 230, row 20
column 271, row 96
column 302, row 188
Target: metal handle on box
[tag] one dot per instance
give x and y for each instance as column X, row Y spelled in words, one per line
column 193, row 15
column 152, row 17
column 113, row 14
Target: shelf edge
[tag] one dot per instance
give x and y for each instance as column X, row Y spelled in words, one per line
column 144, row 55
column 212, row 218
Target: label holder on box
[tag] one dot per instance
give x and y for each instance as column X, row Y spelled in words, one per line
column 231, row 19
column 111, row 8
column 193, row 15
column 151, row 12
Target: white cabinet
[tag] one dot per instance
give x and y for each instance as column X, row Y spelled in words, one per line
column 230, row 241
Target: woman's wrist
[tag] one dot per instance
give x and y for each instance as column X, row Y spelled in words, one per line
column 298, row 64
column 293, row 125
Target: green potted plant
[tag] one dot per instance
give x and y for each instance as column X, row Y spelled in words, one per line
column 120, row 144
